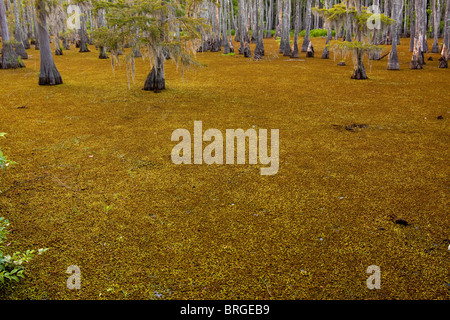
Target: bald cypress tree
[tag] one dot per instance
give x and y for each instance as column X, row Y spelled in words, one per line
column 436, row 25
column 259, row 49
column 308, row 26
column 417, row 59
column 48, row 74
column 294, row 53
column 393, row 63
column 19, row 47
column 9, row 58
column 154, row 24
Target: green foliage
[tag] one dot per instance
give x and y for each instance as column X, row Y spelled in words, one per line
column 350, row 46
column 336, row 13
column 314, row 33
column 339, row 13
column 156, row 26
column 358, row 49
column 12, row 266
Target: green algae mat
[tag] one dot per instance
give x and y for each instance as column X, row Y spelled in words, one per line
column 363, row 180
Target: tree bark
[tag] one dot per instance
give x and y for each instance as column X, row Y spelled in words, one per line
column 308, row 26
column 359, row 72
column 48, row 74
column 36, row 33
column 156, row 80
column 393, row 63
column 9, row 59
column 83, row 33
column 310, row 50
column 279, row 18
column 447, row 24
column 226, row 42
column 436, row 25
column 417, row 60
column 216, row 28
column 412, row 32
column 326, row 51
column 19, row 47
column 259, row 49
column 285, row 46
column 295, row 53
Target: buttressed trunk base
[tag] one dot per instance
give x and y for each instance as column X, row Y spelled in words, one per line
column 10, row 59
column 155, row 80
column 48, row 74
column 359, row 72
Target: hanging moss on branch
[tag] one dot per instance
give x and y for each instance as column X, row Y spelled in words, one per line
column 163, row 29
column 358, row 50
column 364, row 24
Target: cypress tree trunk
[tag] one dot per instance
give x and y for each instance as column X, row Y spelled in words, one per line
column 285, row 47
column 412, row 26
column 244, row 37
column 229, row 21
column 443, row 60
column 417, row 60
column 308, row 26
column 393, row 63
column 26, row 27
column 233, row 21
column 102, row 53
column 279, row 18
column 216, row 28
column 296, row 29
column 386, row 39
column 424, row 27
column 447, row 24
column 359, row 72
column 348, row 31
column 241, row 12
column 136, row 52
column 326, row 51
column 445, row 54
column 375, row 55
column 226, row 43
column 269, row 16
column 19, row 47
column 253, row 12
column 259, row 49
column 436, row 25
column 9, row 59
column 155, row 80
column 281, row 24
column 58, row 50
column 36, row 33
column 48, row 74
column 310, row 50
column 83, row 33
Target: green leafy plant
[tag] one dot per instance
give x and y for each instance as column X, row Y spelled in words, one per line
column 12, row 266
